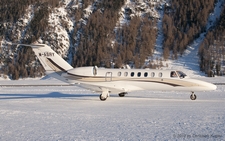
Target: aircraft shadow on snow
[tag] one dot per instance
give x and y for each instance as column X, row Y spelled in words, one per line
column 49, row 95
column 59, row 95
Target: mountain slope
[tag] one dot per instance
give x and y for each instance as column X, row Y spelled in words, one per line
column 189, row 61
column 95, row 32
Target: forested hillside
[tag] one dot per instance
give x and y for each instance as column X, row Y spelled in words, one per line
column 103, row 33
column 183, row 22
column 20, row 62
column 212, row 49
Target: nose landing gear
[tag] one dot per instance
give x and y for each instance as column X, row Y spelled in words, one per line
column 193, row 96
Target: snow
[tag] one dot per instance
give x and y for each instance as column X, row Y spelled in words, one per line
column 189, row 61
column 138, row 8
column 215, row 15
column 73, row 113
column 159, row 40
column 59, row 21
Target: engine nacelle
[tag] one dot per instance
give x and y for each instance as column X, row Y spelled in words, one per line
column 83, row 71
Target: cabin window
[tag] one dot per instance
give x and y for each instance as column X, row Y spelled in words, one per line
column 152, row 74
column 160, row 74
column 132, row 74
column 119, row 74
column 173, row 74
column 125, row 74
column 139, row 74
column 146, row 74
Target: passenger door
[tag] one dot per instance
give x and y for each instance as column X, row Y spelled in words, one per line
column 108, row 76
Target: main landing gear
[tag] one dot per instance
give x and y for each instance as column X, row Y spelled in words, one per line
column 122, row 94
column 102, row 98
column 193, row 96
column 104, row 95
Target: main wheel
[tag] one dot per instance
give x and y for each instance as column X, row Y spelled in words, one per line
column 102, row 98
column 193, row 96
column 121, row 94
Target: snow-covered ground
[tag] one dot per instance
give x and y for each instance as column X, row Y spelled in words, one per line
column 73, row 113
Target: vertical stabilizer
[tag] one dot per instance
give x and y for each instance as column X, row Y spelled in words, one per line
column 53, row 64
column 50, row 60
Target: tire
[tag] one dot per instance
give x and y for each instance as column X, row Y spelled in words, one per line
column 102, row 98
column 193, row 97
column 121, row 95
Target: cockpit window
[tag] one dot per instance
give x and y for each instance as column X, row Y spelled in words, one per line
column 181, row 74
column 173, row 74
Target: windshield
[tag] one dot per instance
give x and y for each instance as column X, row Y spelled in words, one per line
column 173, row 74
column 181, row 74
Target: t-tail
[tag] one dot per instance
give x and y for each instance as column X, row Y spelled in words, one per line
column 53, row 64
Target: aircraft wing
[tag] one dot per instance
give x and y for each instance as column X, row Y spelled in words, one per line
column 100, row 89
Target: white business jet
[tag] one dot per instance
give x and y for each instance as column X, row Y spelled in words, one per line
column 120, row 81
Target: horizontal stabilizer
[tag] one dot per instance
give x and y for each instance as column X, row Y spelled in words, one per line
column 31, row 45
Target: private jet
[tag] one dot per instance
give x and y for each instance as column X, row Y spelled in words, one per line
column 120, row 81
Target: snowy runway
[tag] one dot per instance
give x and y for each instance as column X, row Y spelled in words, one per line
column 72, row 113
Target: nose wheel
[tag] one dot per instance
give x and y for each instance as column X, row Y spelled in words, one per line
column 193, row 96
